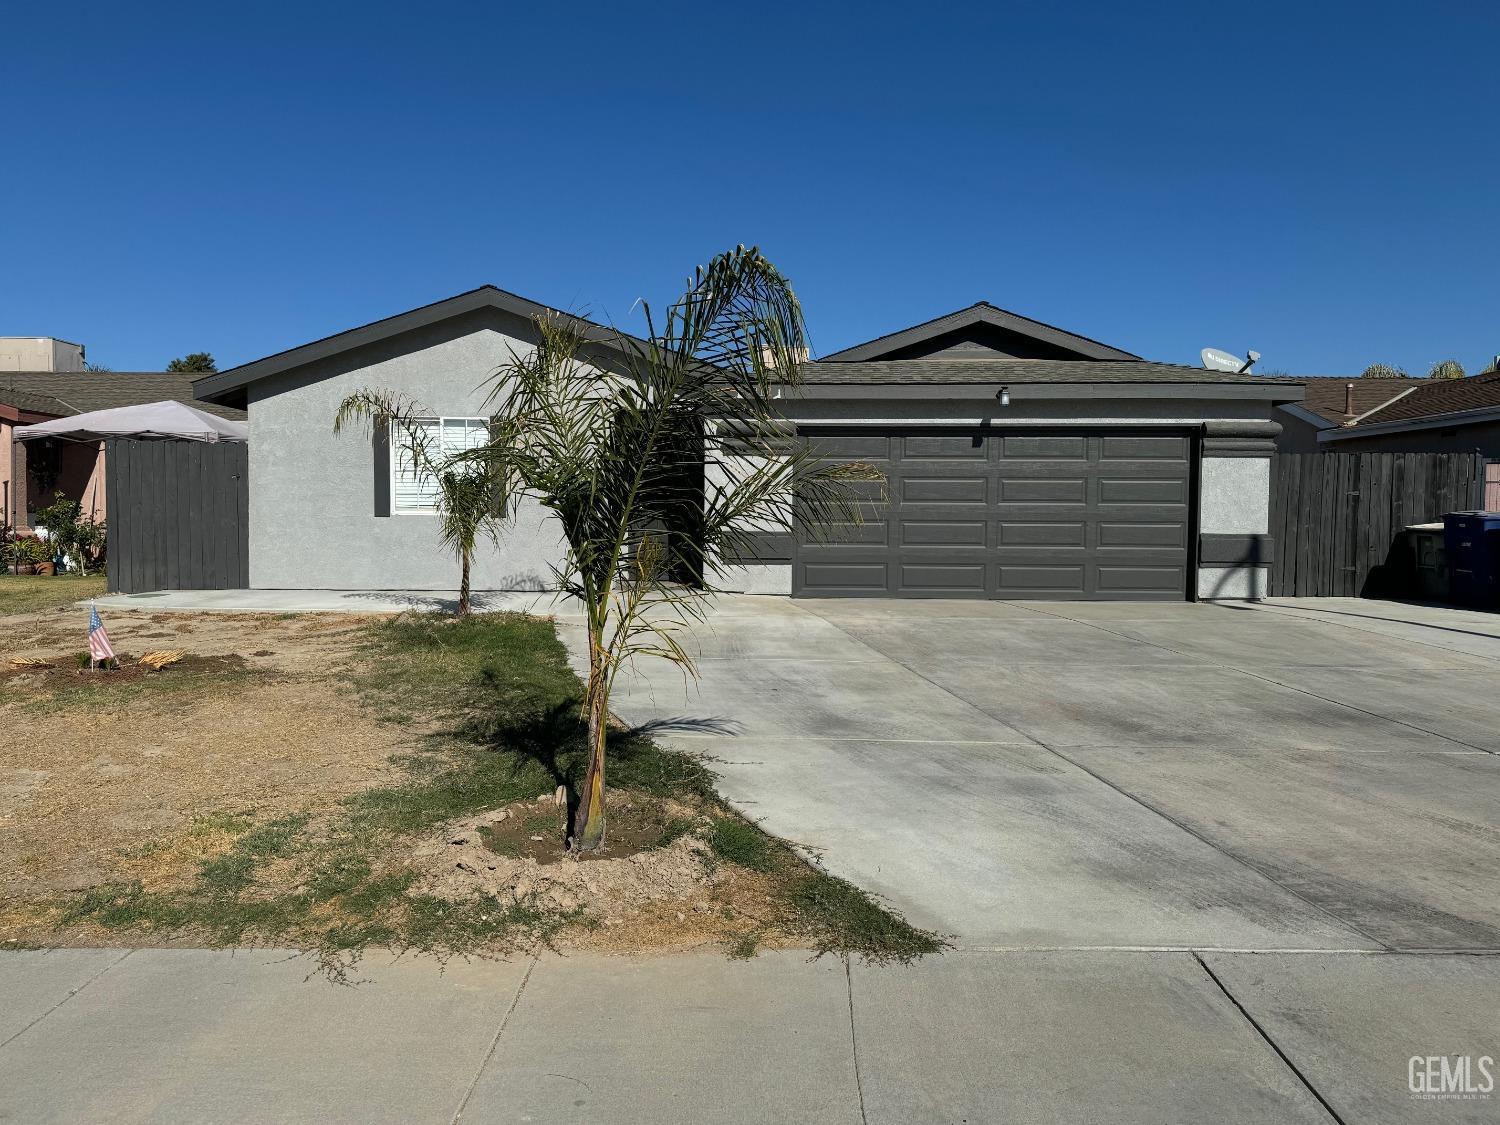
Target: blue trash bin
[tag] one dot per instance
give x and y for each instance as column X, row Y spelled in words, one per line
column 1472, row 543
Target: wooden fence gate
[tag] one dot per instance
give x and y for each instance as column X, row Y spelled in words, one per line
column 177, row 513
column 1337, row 517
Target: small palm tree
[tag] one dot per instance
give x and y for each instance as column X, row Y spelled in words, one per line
column 469, row 500
column 1446, row 369
column 657, row 459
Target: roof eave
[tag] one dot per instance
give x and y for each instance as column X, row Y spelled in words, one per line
column 1405, row 425
column 228, row 388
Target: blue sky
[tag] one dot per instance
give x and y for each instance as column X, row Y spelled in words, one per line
column 1319, row 181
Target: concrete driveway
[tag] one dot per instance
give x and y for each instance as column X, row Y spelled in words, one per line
column 1308, row 775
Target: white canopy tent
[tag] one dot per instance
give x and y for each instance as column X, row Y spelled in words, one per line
column 169, row 419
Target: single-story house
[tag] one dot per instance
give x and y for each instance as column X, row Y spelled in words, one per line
column 1023, row 460
column 31, row 474
column 1329, row 402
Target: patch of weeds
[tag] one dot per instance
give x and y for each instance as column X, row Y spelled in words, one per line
column 436, row 923
column 840, row 918
column 744, row 947
column 234, row 871
column 211, row 824
column 739, row 841
column 675, row 829
column 180, row 685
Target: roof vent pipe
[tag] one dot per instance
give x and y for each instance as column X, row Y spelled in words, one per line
column 1348, row 398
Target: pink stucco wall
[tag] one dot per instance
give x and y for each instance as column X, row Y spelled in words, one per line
column 6, row 490
column 80, row 476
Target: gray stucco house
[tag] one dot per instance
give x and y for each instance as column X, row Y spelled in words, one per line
column 1023, row 461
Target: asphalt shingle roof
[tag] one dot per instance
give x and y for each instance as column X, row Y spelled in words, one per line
column 1440, row 396
column 65, row 393
column 1325, row 395
column 917, row 371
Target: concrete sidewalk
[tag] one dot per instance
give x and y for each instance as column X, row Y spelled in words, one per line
column 173, row 1036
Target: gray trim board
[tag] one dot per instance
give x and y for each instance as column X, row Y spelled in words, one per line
column 1236, row 550
column 981, row 312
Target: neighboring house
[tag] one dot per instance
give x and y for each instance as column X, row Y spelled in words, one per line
column 1429, row 416
column 39, row 353
column 1329, row 402
column 1023, row 461
column 31, row 474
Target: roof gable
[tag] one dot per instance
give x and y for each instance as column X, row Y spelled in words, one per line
column 981, row 331
column 228, row 387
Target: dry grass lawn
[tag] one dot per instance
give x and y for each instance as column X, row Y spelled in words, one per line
column 93, row 771
column 334, row 781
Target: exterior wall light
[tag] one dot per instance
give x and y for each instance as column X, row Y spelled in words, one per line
column 1004, row 396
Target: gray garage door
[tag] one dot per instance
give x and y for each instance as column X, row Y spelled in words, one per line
column 995, row 514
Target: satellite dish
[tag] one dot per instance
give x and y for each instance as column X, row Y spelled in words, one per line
column 1215, row 360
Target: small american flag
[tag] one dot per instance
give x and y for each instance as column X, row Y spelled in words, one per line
column 99, row 648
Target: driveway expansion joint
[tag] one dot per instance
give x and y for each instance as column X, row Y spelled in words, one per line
column 1266, row 1038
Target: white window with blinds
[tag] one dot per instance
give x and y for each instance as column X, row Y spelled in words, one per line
column 414, row 492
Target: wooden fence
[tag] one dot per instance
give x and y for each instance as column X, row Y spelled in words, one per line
column 1337, row 517
column 177, row 515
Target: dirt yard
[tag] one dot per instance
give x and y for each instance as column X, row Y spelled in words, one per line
column 333, row 782
column 95, row 768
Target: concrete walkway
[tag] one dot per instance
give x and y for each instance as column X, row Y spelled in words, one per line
column 176, row 1036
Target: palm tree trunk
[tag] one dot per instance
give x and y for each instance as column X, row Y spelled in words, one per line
column 588, row 821
column 463, row 588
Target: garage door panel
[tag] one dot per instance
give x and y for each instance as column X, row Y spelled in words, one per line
column 1140, row 578
column 1073, row 447
column 952, row 577
column 946, row 490
column 943, row 533
column 1036, row 580
column 1118, row 490
column 1056, row 490
column 1143, row 448
column 964, row 447
column 1136, row 534
column 839, row 578
column 1016, row 515
column 872, row 531
column 1042, row 533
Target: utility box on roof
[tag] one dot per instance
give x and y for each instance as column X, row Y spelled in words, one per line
column 1472, row 540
